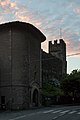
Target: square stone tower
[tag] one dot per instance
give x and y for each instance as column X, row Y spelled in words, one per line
column 59, row 50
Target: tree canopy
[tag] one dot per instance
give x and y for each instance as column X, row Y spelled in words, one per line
column 51, row 90
column 71, row 84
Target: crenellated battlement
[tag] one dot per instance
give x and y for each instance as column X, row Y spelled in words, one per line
column 58, row 49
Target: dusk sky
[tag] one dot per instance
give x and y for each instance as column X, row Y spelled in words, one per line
column 49, row 16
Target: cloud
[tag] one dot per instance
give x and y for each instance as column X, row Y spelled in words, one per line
column 8, row 8
column 13, row 5
column 21, row 14
column 77, row 10
column 1, row 19
column 72, row 43
column 49, row 17
column 8, row 3
column 4, row 2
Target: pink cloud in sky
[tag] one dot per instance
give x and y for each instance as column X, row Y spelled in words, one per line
column 8, row 7
column 4, row 2
column 13, row 5
column 77, row 10
column 8, row 3
column 72, row 46
column 21, row 15
column 1, row 19
column 20, row 12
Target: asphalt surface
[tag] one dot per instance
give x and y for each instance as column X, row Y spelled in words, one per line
column 48, row 113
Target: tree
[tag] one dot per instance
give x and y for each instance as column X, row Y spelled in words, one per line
column 50, row 93
column 50, row 90
column 71, row 84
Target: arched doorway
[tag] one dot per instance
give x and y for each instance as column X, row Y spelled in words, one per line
column 35, row 97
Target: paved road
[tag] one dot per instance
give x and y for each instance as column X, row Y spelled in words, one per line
column 50, row 113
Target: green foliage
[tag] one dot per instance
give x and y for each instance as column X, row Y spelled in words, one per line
column 71, row 83
column 50, row 90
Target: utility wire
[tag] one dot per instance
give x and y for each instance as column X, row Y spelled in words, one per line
column 73, row 54
column 45, row 59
